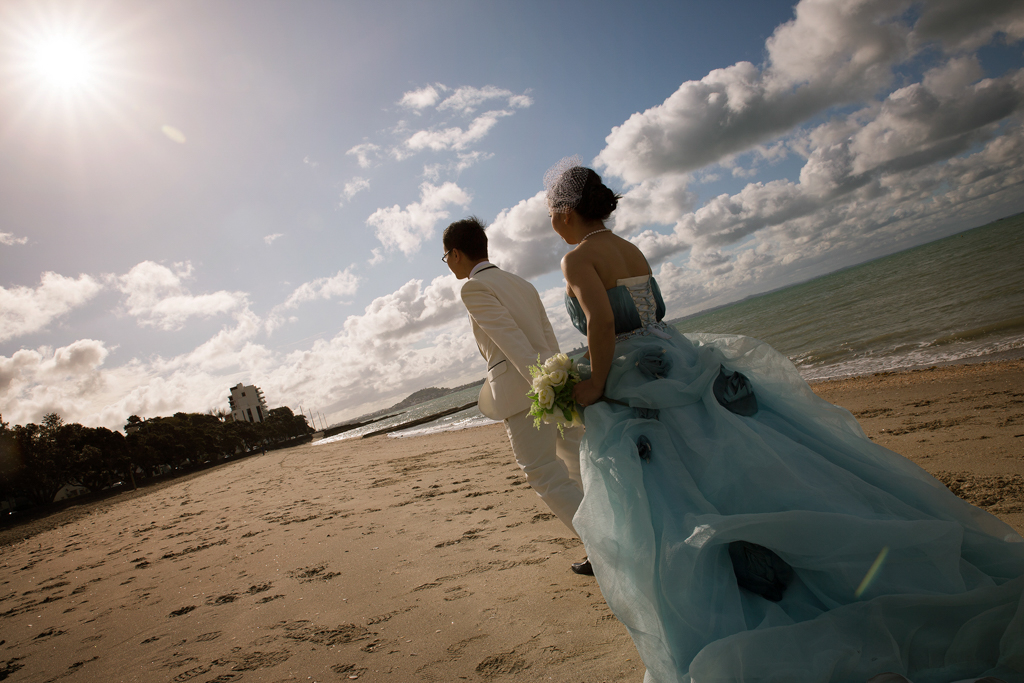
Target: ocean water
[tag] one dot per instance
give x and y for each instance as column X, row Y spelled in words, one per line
column 958, row 298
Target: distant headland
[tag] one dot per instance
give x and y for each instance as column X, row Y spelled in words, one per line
column 415, row 398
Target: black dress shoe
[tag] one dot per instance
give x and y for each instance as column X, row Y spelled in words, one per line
column 583, row 567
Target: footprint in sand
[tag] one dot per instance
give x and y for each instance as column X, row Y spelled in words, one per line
column 380, row 619
column 454, row 651
column 501, row 663
column 192, row 673
column 9, row 668
column 348, row 670
column 314, row 573
column 456, row 593
column 306, row 631
column 466, row 536
column 49, row 633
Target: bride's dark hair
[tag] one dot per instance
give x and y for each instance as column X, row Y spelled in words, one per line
column 597, row 201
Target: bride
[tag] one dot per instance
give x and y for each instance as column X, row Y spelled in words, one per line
column 744, row 529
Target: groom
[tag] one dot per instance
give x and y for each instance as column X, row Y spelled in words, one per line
column 511, row 330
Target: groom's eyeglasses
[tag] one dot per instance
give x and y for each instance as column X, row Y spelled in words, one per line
column 444, row 259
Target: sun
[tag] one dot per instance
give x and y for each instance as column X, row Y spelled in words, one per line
column 60, row 56
column 67, row 66
column 64, row 62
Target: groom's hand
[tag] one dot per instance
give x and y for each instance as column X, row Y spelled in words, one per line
column 587, row 392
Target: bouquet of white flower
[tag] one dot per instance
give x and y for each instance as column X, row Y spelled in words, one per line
column 551, row 393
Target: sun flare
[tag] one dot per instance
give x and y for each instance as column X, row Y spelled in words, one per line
column 64, row 62
column 63, row 59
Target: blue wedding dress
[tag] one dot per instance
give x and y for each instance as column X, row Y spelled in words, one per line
column 724, row 449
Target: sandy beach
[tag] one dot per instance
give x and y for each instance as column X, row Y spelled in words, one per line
column 384, row 559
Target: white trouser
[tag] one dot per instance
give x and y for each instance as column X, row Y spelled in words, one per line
column 551, row 464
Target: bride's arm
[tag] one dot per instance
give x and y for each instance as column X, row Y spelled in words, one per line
column 586, row 285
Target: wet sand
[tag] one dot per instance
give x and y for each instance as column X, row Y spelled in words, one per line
column 382, row 559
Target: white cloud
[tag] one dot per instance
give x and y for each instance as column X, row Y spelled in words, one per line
column 467, row 99
column 409, row 309
column 960, row 25
column 354, row 187
column 659, row 201
column 24, row 310
column 365, row 154
column 520, row 101
column 158, row 298
column 73, row 382
column 269, row 239
column 458, row 165
column 34, row 382
column 522, row 241
column 437, row 132
column 77, row 361
column 9, row 239
column 947, row 80
column 455, row 138
column 414, row 337
column 432, row 172
column 82, row 356
column 917, row 126
column 406, row 229
column 11, row 368
column 830, row 54
column 422, row 98
column 344, row 283
column 464, row 100
column 229, row 348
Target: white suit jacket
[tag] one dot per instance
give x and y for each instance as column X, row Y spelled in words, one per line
column 511, row 330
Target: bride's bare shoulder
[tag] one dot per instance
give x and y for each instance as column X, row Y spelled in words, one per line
column 577, row 258
column 633, row 257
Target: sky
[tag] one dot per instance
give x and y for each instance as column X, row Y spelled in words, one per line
column 198, row 194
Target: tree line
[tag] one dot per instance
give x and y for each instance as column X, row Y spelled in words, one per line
column 37, row 461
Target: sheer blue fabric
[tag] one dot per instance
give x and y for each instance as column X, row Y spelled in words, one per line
column 891, row 571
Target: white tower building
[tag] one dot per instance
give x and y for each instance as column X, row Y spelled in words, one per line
column 247, row 404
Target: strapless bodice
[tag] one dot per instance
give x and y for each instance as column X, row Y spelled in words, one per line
column 636, row 303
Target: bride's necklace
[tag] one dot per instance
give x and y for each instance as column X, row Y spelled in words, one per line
column 593, row 233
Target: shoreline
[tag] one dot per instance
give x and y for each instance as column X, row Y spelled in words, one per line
column 997, row 357
column 994, row 357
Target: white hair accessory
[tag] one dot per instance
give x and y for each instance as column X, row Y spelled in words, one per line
column 564, row 182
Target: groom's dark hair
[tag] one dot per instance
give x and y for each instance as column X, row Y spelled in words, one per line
column 467, row 236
